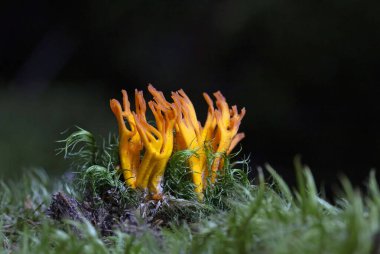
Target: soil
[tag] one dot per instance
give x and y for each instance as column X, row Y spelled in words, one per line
column 107, row 212
column 104, row 212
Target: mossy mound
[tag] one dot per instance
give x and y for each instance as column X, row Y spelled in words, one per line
column 102, row 197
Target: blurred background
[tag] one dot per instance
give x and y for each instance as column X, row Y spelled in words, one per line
column 306, row 71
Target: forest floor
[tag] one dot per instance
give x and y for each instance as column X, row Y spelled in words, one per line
column 91, row 210
column 43, row 215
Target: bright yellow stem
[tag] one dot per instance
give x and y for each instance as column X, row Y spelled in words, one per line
column 197, row 171
column 129, row 159
column 160, row 166
column 158, row 142
column 144, row 170
column 129, row 140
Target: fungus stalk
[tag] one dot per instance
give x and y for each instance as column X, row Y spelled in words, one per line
column 158, row 142
column 191, row 135
column 129, row 140
column 226, row 137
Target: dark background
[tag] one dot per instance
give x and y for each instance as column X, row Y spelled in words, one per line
column 307, row 72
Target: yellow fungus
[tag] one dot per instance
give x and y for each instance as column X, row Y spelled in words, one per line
column 158, row 142
column 228, row 122
column 220, row 129
column 129, row 140
column 192, row 136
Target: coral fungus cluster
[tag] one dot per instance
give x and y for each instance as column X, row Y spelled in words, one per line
column 177, row 127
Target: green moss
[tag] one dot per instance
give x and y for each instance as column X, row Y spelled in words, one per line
column 235, row 217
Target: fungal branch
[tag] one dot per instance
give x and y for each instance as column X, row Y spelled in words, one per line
column 226, row 138
column 192, row 136
column 157, row 143
column 129, row 140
